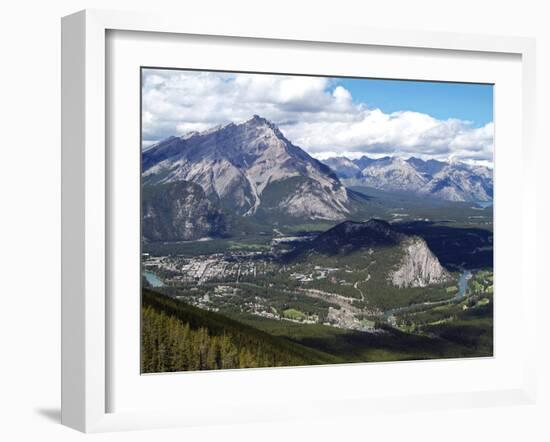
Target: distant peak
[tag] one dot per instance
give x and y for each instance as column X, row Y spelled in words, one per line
column 256, row 119
column 338, row 158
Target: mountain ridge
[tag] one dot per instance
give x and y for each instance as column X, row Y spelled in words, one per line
column 446, row 180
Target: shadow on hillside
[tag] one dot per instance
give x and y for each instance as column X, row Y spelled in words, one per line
column 455, row 247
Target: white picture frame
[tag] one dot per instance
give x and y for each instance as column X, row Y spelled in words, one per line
column 85, row 210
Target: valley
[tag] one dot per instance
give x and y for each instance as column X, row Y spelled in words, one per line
column 355, row 261
column 266, row 282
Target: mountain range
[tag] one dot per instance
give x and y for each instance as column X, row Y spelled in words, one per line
column 446, row 180
column 206, row 183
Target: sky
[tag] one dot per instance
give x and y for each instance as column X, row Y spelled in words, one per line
column 327, row 116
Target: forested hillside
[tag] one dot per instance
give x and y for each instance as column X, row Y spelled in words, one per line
column 179, row 337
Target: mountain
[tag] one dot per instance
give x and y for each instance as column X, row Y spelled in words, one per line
column 180, row 211
column 351, row 236
column 392, row 257
column 428, row 167
column 251, row 169
column 461, row 182
column 393, row 174
column 387, row 173
column 365, row 161
column 452, row 181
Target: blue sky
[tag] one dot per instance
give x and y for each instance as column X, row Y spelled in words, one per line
column 327, row 116
column 469, row 102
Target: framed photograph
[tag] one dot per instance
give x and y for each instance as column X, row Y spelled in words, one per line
column 278, row 222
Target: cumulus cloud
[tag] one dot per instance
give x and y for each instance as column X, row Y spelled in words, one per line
column 315, row 113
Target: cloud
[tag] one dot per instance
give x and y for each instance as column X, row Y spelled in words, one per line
column 315, row 113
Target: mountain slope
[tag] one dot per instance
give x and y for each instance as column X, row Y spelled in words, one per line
column 460, row 182
column 393, row 174
column 180, row 211
column 428, row 167
column 189, row 338
column 237, row 163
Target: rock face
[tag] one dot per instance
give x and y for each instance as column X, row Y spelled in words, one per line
column 419, row 267
column 179, row 211
column 239, row 163
column 451, row 181
column 460, row 182
column 428, row 167
column 393, row 174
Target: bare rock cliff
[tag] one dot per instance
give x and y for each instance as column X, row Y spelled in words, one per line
column 419, row 267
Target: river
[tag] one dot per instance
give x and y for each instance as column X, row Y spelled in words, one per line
column 462, row 286
column 152, row 279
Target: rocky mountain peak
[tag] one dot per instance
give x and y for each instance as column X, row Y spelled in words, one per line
column 262, row 124
column 257, row 120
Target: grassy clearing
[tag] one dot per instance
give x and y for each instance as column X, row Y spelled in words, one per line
column 294, row 314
